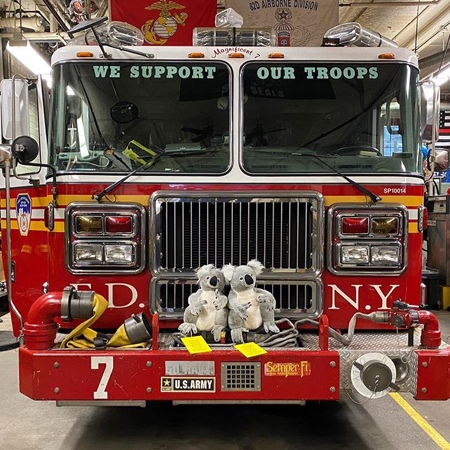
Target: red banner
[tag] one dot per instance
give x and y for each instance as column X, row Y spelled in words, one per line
column 165, row 22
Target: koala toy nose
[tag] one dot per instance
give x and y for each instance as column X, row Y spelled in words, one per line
column 248, row 279
column 213, row 281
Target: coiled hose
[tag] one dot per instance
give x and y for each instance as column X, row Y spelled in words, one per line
column 287, row 337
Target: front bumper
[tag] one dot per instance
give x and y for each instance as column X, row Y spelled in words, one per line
column 312, row 372
column 176, row 375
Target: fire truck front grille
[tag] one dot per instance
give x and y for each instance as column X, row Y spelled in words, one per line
column 283, row 231
column 237, row 376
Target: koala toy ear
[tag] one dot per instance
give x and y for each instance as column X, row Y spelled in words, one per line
column 204, row 270
column 228, row 271
column 256, row 266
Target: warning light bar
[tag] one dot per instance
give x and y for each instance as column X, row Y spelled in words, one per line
column 224, row 37
column 352, row 34
column 114, row 34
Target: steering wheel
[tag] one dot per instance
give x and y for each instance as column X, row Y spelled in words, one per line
column 356, row 149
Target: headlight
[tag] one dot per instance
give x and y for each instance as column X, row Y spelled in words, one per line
column 355, row 255
column 385, row 255
column 119, row 254
column 88, row 253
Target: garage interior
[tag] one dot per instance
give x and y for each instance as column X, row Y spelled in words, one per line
column 394, row 422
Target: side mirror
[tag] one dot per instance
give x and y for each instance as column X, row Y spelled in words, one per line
column 429, row 114
column 14, row 102
column 86, row 25
column 24, row 149
column 393, row 120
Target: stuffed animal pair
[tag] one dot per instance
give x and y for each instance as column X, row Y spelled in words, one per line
column 246, row 308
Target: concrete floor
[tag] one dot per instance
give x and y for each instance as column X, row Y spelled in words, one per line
column 377, row 424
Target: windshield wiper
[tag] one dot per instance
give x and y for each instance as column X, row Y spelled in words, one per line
column 117, row 183
column 373, row 197
column 181, row 152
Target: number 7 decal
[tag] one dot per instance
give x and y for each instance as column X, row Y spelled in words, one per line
column 108, row 361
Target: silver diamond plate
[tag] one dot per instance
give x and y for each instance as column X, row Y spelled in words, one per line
column 393, row 345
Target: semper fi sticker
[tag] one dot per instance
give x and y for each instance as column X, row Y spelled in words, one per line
column 188, row 384
column 292, row 369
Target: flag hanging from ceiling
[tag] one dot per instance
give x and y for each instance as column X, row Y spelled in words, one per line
column 165, row 22
column 297, row 23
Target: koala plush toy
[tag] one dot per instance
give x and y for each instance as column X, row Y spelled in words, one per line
column 250, row 307
column 207, row 310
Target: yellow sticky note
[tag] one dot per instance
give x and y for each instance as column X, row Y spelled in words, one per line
column 196, row 344
column 250, row 349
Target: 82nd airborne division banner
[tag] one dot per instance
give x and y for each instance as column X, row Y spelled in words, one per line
column 165, row 22
column 297, row 23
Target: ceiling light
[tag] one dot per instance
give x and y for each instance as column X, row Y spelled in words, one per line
column 27, row 55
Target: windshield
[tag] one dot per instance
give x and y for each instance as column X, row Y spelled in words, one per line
column 357, row 117
column 161, row 116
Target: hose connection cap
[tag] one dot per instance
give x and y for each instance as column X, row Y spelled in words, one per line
column 76, row 304
column 138, row 328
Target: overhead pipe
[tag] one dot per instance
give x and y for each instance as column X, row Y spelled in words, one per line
column 32, row 23
column 102, row 9
column 433, row 36
column 45, row 37
column 55, row 14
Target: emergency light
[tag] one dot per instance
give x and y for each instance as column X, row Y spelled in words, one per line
column 352, row 34
column 229, row 18
column 223, row 37
column 114, row 34
column 229, row 32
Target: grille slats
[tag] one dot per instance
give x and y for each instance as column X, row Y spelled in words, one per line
column 279, row 232
column 294, row 300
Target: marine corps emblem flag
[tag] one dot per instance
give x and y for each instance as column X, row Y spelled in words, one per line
column 165, row 22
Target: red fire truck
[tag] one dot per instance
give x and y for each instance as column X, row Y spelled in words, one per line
column 145, row 164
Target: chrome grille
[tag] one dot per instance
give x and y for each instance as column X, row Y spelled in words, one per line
column 283, row 231
column 237, row 376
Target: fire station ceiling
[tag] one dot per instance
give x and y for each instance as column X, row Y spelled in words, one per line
column 421, row 25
